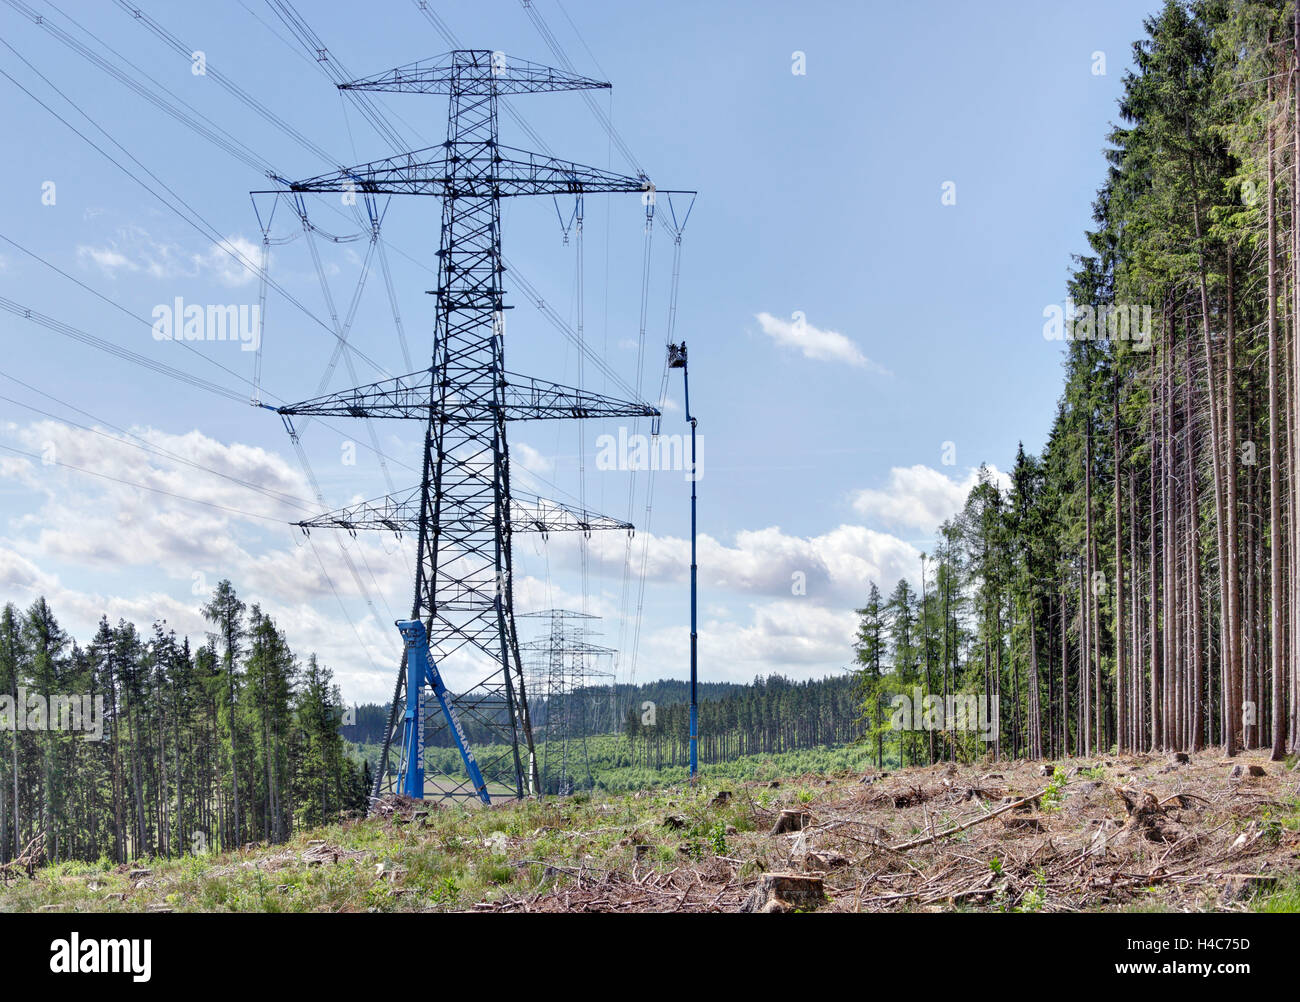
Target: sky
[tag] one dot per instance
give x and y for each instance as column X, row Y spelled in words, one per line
column 889, row 197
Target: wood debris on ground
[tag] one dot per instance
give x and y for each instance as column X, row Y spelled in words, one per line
column 1109, row 832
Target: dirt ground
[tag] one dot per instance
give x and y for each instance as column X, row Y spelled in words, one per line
column 1146, row 832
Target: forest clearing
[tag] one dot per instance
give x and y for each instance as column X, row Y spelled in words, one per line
column 1125, row 833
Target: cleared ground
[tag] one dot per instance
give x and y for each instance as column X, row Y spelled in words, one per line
column 1140, row 832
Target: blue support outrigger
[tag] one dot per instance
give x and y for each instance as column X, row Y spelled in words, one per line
column 421, row 671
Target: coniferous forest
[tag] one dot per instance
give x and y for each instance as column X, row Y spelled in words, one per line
column 766, row 717
column 198, row 748
column 1137, row 587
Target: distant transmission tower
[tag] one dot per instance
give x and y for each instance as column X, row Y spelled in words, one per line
column 567, row 671
column 463, row 510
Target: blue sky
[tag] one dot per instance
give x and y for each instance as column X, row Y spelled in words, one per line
column 844, row 323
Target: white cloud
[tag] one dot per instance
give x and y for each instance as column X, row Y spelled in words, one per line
column 836, row 567
column 789, row 637
column 362, row 668
column 225, row 258
column 135, row 251
column 96, row 546
column 18, row 468
column 107, row 260
column 920, row 497
column 815, row 343
column 530, row 459
column 93, row 547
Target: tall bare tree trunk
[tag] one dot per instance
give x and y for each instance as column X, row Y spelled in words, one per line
column 1230, row 458
column 1065, row 680
column 1121, row 702
column 1292, row 650
column 1274, row 470
column 1089, row 592
column 1229, row 657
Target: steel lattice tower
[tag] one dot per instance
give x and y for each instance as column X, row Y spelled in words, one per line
column 567, row 668
column 463, row 511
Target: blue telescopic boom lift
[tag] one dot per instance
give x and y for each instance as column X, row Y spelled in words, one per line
column 677, row 360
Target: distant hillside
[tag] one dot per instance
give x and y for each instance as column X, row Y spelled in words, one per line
column 578, row 748
column 599, row 704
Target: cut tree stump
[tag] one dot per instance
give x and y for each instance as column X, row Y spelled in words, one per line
column 1242, row 886
column 824, row 860
column 1146, row 816
column 777, row 893
column 791, row 821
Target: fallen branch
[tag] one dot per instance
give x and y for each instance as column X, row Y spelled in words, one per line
column 934, row 837
column 26, row 861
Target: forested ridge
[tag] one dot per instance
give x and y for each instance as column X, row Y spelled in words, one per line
column 1137, row 587
column 770, row 715
column 597, row 709
column 209, row 747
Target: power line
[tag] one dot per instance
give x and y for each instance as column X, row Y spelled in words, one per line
column 194, row 119
column 116, row 305
column 218, row 241
column 212, row 73
column 527, row 288
column 141, row 443
column 153, row 365
column 206, row 229
column 198, row 382
column 289, row 16
column 144, row 487
column 272, row 171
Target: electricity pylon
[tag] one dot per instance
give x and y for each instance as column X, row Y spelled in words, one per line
column 568, row 670
column 463, row 510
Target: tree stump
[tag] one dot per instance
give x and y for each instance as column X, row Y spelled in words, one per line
column 1242, row 886
column 777, row 893
column 791, row 821
column 825, row 860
